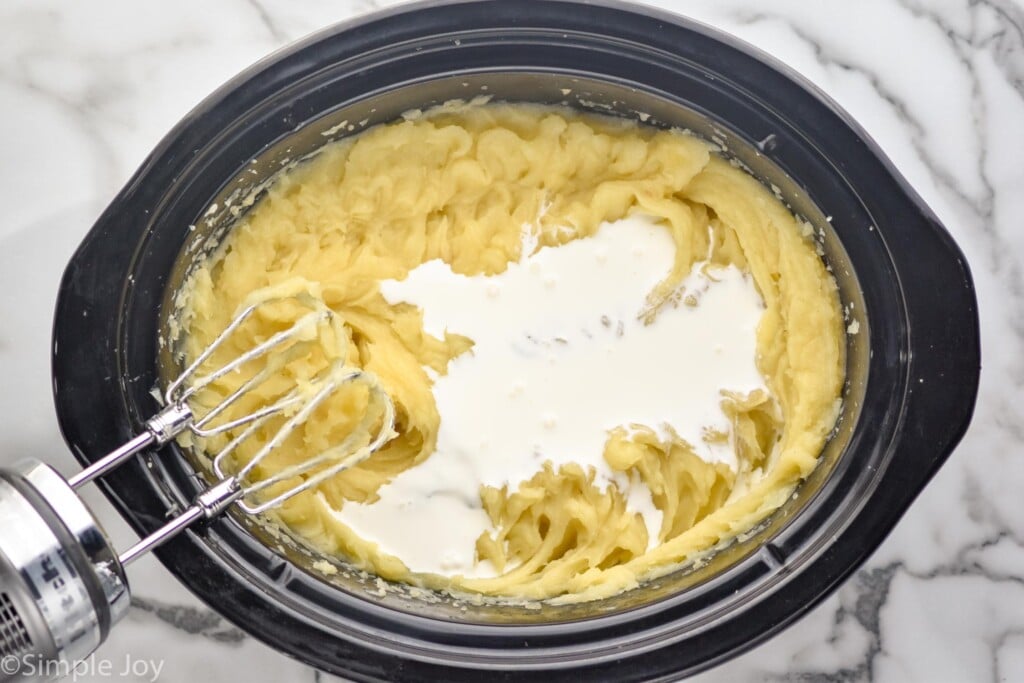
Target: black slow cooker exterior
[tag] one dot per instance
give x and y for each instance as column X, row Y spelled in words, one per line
column 914, row 362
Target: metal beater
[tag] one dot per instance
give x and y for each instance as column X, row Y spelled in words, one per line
column 62, row 585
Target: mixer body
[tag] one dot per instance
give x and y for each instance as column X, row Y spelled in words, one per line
column 61, row 584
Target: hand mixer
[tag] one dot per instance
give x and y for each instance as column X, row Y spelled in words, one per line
column 62, row 585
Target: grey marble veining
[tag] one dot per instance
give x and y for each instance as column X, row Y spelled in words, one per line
column 87, row 89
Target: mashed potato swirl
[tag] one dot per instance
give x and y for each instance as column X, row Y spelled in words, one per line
column 459, row 186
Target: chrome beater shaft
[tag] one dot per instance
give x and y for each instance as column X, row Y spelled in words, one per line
column 62, row 584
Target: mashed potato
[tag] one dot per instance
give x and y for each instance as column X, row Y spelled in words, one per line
column 459, row 186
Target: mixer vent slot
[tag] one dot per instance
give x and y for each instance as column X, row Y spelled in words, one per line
column 14, row 639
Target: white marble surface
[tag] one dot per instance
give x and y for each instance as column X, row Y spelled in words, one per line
column 87, row 89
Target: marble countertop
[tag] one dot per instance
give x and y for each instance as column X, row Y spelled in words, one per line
column 87, row 89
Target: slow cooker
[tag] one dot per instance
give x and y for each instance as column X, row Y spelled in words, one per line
column 912, row 370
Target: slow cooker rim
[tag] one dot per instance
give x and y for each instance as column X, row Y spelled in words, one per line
column 595, row 623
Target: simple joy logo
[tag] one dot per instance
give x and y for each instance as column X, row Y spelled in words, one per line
column 34, row 666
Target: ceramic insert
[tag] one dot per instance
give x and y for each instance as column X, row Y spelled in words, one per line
column 609, row 349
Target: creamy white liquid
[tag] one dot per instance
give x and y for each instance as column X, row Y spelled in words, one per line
column 560, row 358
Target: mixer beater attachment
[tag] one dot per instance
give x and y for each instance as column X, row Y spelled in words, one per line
column 62, row 585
